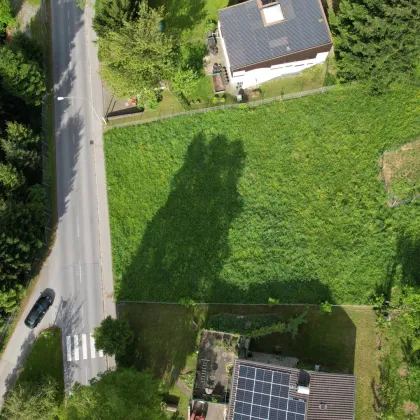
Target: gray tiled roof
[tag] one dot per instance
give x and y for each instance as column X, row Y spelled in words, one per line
column 248, row 41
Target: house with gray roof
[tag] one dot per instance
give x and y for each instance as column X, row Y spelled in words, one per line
column 266, row 392
column 266, row 39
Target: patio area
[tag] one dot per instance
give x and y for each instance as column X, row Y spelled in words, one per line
column 217, row 352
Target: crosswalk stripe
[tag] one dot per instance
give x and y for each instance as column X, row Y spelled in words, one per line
column 76, row 347
column 84, row 346
column 92, row 347
column 68, row 342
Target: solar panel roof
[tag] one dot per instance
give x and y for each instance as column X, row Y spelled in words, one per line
column 248, row 41
column 263, row 394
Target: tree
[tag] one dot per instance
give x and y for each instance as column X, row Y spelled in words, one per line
column 6, row 16
column 377, row 40
column 121, row 394
column 21, row 146
column 137, row 57
column 10, row 178
column 184, row 82
column 21, row 227
column 113, row 336
column 111, row 14
column 20, row 77
column 32, row 401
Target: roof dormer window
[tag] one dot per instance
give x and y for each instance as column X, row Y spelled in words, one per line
column 272, row 14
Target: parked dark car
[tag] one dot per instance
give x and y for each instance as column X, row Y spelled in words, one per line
column 38, row 311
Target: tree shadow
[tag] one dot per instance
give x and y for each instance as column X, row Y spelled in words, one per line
column 328, row 340
column 408, row 256
column 23, row 354
column 180, row 15
column 163, row 340
column 186, row 243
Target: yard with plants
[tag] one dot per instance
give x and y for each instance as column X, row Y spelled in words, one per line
column 283, row 201
column 166, row 338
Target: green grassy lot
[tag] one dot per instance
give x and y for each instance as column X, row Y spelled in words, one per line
column 281, row 201
column 45, row 358
column 344, row 341
column 312, row 78
column 397, row 388
column 401, row 172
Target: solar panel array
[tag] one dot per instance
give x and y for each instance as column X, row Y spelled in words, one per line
column 263, row 394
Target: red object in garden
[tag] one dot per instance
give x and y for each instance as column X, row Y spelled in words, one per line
column 134, row 100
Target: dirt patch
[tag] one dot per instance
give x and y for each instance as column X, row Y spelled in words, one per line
column 401, row 173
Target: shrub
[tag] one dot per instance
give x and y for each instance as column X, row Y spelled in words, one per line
column 325, row 307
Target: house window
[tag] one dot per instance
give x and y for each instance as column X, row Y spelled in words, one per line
column 272, row 14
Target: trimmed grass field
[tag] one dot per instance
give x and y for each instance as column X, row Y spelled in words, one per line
column 45, row 358
column 344, row 341
column 281, row 201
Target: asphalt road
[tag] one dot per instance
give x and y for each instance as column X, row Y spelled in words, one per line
column 78, row 272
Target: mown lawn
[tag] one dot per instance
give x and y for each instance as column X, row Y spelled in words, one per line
column 283, row 201
column 45, row 359
column 344, row 341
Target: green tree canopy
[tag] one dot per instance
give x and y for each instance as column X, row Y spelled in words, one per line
column 121, row 394
column 110, row 15
column 113, row 336
column 30, row 401
column 137, row 57
column 377, row 40
column 21, row 227
column 184, row 81
column 21, row 77
column 21, row 146
column 6, row 16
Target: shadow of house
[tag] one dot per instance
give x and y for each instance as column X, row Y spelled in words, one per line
column 186, row 243
column 319, row 342
column 162, row 341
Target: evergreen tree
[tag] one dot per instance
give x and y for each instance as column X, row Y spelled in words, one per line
column 21, row 146
column 20, row 77
column 137, row 57
column 6, row 17
column 377, row 40
column 110, row 15
column 21, row 229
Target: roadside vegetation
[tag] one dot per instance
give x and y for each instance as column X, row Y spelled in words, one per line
column 22, row 196
column 39, row 389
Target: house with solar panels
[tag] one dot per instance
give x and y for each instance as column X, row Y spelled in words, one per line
column 266, row 39
column 266, row 392
column 234, row 384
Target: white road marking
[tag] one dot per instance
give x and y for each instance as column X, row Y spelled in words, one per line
column 92, row 347
column 78, row 228
column 86, row 376
column 76, row 347
column 68, row 341
column 84, row 346
column 101, row 353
